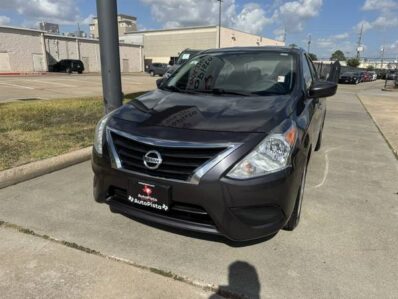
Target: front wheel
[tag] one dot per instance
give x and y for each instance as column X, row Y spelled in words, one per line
column 295, row 217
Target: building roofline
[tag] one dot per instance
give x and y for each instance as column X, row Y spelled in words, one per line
column 120, row 15
column 172, row 29
column 197, row 27
column 22, row 29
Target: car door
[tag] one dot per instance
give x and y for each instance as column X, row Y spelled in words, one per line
column 313, row 105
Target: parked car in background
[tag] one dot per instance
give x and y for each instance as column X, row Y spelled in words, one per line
column 365, row 77
column 221, row 147
column 182, row 58
column 373, row 75
column 350, row 77
column 157, row 69
column 68, row 66
column 391, row 75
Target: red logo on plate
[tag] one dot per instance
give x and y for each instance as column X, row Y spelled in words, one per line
column 148, row 191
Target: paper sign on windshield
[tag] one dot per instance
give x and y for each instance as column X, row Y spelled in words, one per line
column 204, row 74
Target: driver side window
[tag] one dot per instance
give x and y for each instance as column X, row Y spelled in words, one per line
column 308, row 79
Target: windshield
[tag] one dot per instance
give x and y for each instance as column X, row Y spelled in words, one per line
column 261, row 73
column 184, row 57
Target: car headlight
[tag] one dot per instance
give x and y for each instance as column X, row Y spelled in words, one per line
column 99, row 133
column 271, row 155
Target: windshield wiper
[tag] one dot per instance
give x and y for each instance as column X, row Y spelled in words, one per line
column 172, row 88
column 220, row 91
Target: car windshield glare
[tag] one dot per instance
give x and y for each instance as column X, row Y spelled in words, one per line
column 236, row 73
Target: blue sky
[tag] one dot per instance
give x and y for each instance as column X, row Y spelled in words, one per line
column 332, row 24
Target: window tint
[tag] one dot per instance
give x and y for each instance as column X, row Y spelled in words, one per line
column 312, row 69
column 307, row 74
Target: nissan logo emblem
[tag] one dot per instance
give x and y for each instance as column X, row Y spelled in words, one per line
column 152, row 160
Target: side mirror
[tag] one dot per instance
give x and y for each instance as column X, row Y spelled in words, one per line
column 323, row 89
column 159, row 82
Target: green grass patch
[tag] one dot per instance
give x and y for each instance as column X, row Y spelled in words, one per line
column 35, row 130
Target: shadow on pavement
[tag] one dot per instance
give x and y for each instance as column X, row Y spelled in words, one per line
column 243, row 282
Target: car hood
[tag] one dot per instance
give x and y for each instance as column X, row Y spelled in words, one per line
column 207, row 112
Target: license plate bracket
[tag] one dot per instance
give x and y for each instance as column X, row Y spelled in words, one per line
column 149, row 195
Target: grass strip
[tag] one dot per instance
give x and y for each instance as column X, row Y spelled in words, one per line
column 36, row 130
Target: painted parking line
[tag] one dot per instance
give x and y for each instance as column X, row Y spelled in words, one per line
column 51, row 82
column 16, row 85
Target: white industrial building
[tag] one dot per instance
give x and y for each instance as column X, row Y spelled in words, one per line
column 29, row 50
column 161, row 45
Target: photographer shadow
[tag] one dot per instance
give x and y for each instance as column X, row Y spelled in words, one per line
column 243, row 282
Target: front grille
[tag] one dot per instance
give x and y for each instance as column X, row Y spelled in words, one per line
column 178, row 163
column 180, row 211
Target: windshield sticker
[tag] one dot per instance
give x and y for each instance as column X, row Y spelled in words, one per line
column 281, row 79
column 186, row 56
column 203, row 75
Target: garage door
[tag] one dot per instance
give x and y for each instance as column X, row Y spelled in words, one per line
column 5, row 62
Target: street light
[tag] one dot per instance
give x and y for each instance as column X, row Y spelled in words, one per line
column 110, row 56
column 219, row 23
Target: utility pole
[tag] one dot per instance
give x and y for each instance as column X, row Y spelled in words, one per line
column 359, row 43
column 309, row 44
column 284, row 36
column 219, row 23
column 78, row 30
column 110, row 56
column 382, row 56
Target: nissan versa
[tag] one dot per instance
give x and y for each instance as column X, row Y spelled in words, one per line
column 221, row 147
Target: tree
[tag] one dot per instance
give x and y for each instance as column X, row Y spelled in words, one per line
column 293, row 46
column 353, row 62
column 370, row 68
column 313, row 56
column 338, row 55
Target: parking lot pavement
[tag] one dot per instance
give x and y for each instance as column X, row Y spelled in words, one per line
column 35, row 268
column 55, row 86
column 345, row 246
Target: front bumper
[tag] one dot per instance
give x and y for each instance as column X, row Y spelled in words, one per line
column 239, row 210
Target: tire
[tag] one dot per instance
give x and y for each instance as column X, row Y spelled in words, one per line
column 295, row 217
column 152, row 73
column 80, row 72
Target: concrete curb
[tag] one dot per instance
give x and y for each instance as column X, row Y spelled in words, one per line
column 35, row 169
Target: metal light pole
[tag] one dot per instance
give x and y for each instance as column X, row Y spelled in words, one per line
column 219, row 23
column 110, row 56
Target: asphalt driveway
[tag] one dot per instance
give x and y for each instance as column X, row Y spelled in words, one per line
column 345, row 246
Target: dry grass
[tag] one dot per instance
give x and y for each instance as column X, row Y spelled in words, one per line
column 40, row 129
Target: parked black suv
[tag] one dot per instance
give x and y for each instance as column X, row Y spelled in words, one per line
column 68, row 66
column 350, row 77
column 157, row 69
column 221, row 147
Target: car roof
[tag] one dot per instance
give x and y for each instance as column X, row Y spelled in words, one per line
column 257, row 49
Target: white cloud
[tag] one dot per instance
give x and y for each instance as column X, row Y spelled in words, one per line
column 180, row 13
column 381, row 22
column 380, row 5
column 331, row 41
column 295, row 13
column 4, row 20
column 63, row 12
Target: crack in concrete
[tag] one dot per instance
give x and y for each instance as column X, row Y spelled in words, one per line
column 222, row 292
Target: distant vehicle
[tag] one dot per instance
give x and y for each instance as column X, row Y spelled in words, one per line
column 184, row 57
column 157, row 69
column 391, row 75
column 373, row 75
column 350, row 77
column 365, row 77
column 68, row 66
